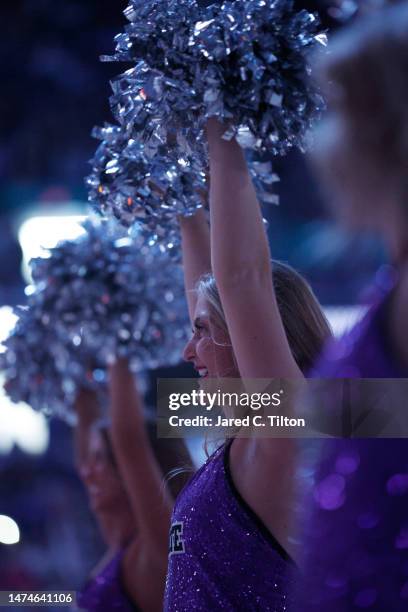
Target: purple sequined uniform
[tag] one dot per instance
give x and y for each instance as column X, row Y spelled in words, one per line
column 221, row 556
column 105, row 592
column 357, row 540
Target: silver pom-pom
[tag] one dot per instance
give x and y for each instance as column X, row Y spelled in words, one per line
column 134, row 184
column 38, row 369
column 244, row 62
column 107, row 294
column 115, row 295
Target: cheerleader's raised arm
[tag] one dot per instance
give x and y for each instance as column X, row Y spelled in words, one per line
column 195, row 242
column 241, row 265
column 88, row 412
column 145, row 561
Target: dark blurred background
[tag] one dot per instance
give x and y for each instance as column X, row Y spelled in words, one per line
column 54, row 89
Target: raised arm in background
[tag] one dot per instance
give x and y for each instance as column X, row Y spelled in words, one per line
column 88, row 412
column 145, row 562
column 195, row 241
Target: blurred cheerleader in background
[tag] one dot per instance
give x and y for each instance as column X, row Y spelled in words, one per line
column 125, row 469
column 356, row 543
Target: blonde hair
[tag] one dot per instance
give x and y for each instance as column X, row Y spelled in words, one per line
column 305, row 324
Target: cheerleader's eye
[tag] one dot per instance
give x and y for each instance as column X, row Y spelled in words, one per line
column 198, row 327
column 197, row 330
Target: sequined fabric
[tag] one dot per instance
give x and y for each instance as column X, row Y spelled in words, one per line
column 357, row 540
column 221, row 556
column 105, row 592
